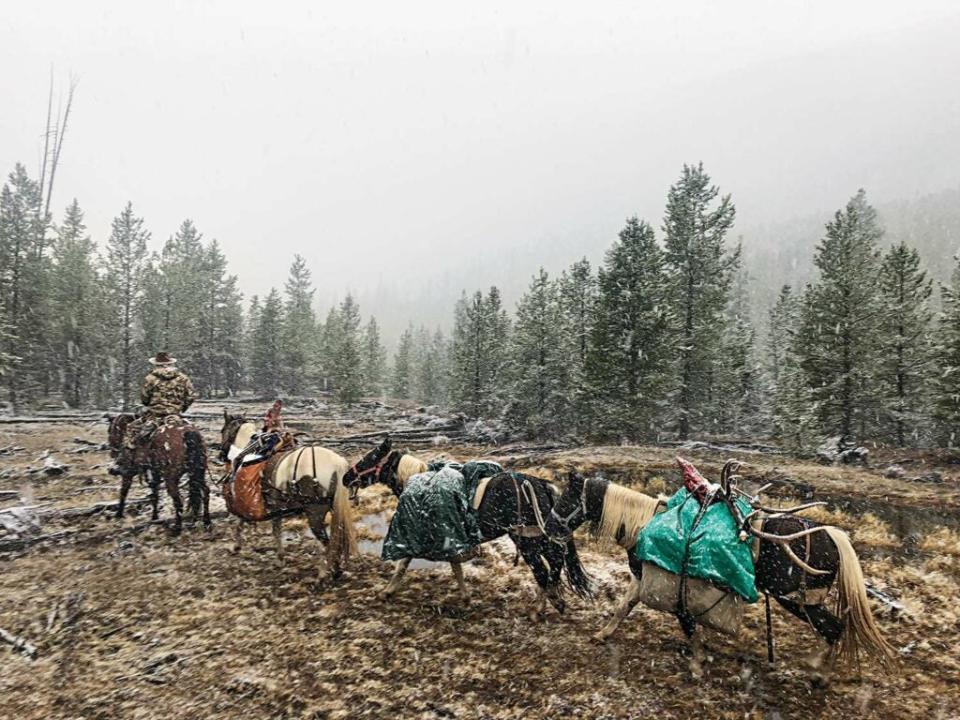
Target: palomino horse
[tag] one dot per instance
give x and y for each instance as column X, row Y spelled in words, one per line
column 303, row 481
column 619, row 513
column 510, row 505
column 171, row 452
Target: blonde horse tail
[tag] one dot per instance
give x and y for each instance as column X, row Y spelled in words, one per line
column 860, row 631
column 343, row 537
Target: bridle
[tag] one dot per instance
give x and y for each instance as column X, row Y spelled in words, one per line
column 565, row 521
column 374, row 470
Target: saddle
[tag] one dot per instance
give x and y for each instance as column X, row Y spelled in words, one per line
column 243, row 489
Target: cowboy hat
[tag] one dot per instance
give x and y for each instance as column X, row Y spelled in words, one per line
column 162, row 358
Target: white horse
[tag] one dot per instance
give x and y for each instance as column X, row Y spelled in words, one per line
column 305, row 480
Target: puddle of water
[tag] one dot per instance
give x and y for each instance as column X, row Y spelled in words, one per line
column 378, row 525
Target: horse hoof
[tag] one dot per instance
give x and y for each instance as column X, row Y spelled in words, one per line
column 383, row 596
column 208, row 526
column 600, row 637
column 696, row 671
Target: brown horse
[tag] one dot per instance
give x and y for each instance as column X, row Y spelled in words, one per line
column 171, row 452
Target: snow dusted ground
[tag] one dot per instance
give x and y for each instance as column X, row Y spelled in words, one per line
column 131, row 623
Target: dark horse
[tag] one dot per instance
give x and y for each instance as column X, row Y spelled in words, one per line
column 510, row 505
column 794, row 566
column 171, row 452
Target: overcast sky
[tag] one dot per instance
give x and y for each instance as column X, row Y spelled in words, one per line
column 390, row 138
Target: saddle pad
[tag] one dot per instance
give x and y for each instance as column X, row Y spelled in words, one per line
column 478, row 495
column 700, row 542
column 243, row 493
column 719, row 609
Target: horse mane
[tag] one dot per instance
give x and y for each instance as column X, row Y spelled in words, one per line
column 408, row 467
column 627, row 508
column 244, row 433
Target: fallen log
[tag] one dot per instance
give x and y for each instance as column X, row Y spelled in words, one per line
column 19, row 644
column 9, row 494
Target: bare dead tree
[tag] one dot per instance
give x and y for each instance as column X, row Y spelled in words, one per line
column 60, row 131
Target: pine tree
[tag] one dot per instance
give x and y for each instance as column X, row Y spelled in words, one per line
column 182, row 268
column 840, row 321
column 251, row 324
column 904, row 344
column 401, row 379
column 577, row 290
column 220, row 324
column 24, row 271
column 541, row 391
column 267, row 346
column 700, row 271
column 329, row 336
column 435, row 375
column 347, row 370
column 77, row 341
column 792, row 403
column 124, row 266
column 152, row 312
column 738, row 403
column 374, row 360
column 628, row 359
column 946, row 407
column 300, row 328
column 479, row 354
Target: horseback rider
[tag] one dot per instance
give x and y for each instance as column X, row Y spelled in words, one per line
column 166, row 392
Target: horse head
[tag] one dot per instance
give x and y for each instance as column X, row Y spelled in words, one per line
column 570, row 509
column 365, row 471
column 228, row 433
column 115, row 431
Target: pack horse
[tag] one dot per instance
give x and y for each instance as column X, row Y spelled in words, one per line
column 797, row 562
column 269, row 482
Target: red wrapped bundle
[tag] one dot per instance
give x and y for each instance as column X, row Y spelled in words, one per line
column 694, row 482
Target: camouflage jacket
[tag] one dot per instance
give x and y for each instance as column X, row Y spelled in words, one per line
column 167, row 391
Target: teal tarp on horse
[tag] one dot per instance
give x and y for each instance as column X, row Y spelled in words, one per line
column 713, row 549
column 435, row 519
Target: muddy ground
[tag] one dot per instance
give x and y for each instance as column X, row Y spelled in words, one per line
column 129, row 622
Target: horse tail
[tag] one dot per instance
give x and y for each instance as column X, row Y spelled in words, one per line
column 860, row 631
column 343, row 537
column 580, row 582
column 196, row 462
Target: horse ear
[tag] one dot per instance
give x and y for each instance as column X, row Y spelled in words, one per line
column 225, row 415
column 387, row 443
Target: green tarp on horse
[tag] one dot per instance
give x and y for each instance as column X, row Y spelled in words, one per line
column 713, row 549
column 435, row 519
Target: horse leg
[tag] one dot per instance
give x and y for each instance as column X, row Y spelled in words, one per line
column 315, row 517
column 458, row 574
column 829, row 628
column 125, row 483
column 173, row 490
column 207, row 524
column 394, row 583
column 238, row 535
column 627, row 603
column 154, row 484
column 696, row 653
column 277, row 525
column 532, row 557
